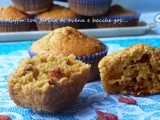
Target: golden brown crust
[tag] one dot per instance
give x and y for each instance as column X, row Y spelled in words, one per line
column 119, row 10
column 33, row 86
column 11, row 13
column 67, row 40
column 132, row 67
column 57, row 12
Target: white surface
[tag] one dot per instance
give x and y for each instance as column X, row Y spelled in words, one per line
column 100, row 32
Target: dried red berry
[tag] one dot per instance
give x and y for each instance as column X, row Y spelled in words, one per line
column 158, row 76
column 68, row 62
column 106, row 116
column 127, row 100
column 28, row 68
column 56, row 73
column 5, row 117
column 101, row 118
column 52, row 82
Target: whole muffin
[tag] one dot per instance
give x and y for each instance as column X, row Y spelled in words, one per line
column 89, row 7
column 32, row 6
column 117, row 16
column 68, row 40
column 57, row 16
column 48, row 84
column 134, row 70
column 11, row 20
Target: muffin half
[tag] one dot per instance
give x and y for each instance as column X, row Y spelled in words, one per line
column 48, row 84
column 134, row 70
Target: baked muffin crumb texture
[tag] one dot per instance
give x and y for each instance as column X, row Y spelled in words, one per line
column 48, row 84
column 134, row 70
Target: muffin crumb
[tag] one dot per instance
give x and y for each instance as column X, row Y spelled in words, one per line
column 133, row 70
column 49, row 84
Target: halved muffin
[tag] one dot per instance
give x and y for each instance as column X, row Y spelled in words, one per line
column 134, row 70
column 48, row 84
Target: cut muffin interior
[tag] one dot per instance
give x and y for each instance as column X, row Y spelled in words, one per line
column 48, row 83
column 134, row 70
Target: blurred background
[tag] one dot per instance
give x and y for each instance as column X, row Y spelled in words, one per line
column 137, row 5
column 148, row 8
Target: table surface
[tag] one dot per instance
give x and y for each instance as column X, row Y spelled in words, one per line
column 92, row 97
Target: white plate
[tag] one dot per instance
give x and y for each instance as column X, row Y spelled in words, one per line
column 96, row 32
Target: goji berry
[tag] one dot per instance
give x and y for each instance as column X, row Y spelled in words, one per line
column 5, row 117
column 106, row 116
column 127, row 100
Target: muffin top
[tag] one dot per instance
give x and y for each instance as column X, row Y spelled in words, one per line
column 57, row 12
column 119, row 10
column 67, row 40
column 11, row 13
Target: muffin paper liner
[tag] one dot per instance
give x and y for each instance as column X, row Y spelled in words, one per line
column 93, row 60
column 118, row 21
column 32, row 6
column 124, row 24
column 89, row 7
column 84, row 58
column 15, row 25
column 92, row 57
column 93, row 1
column 123, row 17
column 88, row 23
column 31, row 54
column 51, row 24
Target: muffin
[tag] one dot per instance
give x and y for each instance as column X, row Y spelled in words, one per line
column 89, row 7
column 134, row 70
column 57, row 16
column 117, row 16
column 32, row 6
column 68, row 40
column 48, row 84
column 12, row 20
